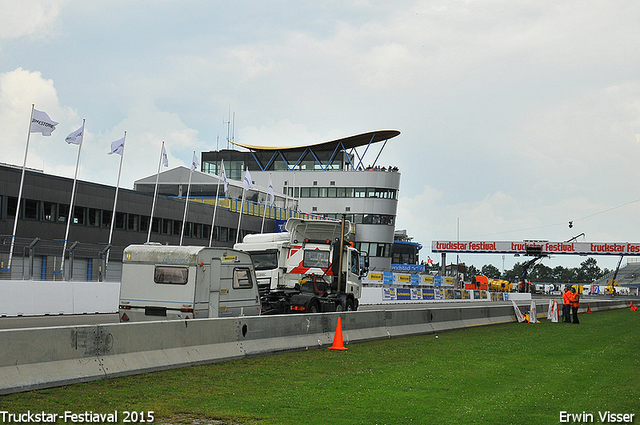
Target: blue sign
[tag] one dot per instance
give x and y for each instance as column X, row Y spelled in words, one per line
column 387, row 278
column 428, row 294
column 407, row 267
column 403, row 293
column 280, row 226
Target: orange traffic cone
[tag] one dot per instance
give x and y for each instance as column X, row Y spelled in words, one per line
column 337, row 338
column 589, row 309
column 633, row 308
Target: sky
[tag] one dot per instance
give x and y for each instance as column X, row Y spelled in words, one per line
column 516, row 117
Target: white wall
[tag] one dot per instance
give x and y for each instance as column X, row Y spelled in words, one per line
column 33, row 297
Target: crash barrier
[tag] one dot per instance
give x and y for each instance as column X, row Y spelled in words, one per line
column 48, row 357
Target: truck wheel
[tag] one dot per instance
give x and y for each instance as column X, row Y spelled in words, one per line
column 313, row 308
column 350, row 305
column 339, row 306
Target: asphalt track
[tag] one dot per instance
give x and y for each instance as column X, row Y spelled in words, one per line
column 22, row 322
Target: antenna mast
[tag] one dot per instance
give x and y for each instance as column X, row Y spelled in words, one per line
column 228, row 123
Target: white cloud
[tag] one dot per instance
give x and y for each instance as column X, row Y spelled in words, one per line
column 146, row 128
column 28, row 17
column 19, row 89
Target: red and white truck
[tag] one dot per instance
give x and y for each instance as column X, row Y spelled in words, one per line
column 309, row 268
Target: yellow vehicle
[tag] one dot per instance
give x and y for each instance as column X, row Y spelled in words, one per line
column 499, row 285
column 611, row 284
column 578, row 288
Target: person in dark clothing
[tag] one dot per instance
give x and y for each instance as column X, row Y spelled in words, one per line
column 575, row 303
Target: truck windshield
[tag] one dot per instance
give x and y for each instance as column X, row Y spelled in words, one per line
column 265, row 260
column 316, row 258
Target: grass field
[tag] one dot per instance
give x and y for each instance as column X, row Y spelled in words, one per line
column 502, row 374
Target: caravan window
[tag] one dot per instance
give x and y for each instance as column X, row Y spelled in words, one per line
column 242, row 279
column 172, row 275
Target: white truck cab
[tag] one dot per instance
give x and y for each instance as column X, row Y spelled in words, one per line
column 306, row 258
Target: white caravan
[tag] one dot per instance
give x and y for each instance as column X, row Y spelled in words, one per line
column 162, row 282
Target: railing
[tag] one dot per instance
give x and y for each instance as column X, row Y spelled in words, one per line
column 253, row 208
column 37, row 259
column 604, row 279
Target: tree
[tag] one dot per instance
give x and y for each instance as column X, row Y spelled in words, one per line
column 491, row 271
column 589, row 271
column 541, row 273
column 471, row 272
column 514, row 274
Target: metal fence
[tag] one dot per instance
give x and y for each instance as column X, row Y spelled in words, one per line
column 38, row 259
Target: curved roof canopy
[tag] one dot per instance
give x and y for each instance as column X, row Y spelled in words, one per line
column 347, row 142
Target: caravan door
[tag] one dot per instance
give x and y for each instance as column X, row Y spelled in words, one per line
column 238, row 287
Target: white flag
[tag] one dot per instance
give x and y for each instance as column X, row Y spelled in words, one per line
column 271, row 197
column 41, row 123
column 246, row 182
column 165, row 159
column 76, row 137
column 194, row 163
column 223, row 174
column 117, row 147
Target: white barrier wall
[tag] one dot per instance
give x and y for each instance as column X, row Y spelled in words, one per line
column 394, row 295
column 34, row 297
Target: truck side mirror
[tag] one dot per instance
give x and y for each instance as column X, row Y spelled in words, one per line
column 364, row 256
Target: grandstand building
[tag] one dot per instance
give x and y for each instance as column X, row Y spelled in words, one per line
column 328, row 179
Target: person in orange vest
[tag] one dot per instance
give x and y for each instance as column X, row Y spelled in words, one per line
column 566, row 305
column 575, row 303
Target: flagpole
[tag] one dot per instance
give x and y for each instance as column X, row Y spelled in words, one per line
column 240, row 216
column 15, row 221
column 246, row 185
column 213, row 220
column 186, row 201
column 155, row 192
column 269, row 195
column 264, row 215
column 70, row 215
column 215, row 207
column 113, row 214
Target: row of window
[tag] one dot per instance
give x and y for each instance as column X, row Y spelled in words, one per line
column 388, row 220
column 340, row 192
column 374, row 249
column 235, row 169
column 54, row 212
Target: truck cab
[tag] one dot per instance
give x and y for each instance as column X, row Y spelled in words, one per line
column 298, row 270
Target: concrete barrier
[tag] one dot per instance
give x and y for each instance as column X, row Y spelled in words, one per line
column 47, row 357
